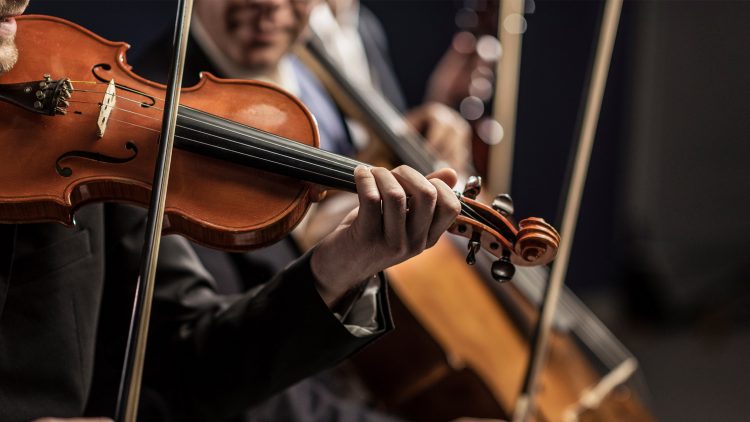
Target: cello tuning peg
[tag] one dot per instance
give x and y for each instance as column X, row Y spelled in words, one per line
column 471, row 258
column 473, row 187
column 503, row 204
column 502, row 270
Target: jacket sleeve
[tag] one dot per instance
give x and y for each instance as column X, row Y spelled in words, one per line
column 214, row 356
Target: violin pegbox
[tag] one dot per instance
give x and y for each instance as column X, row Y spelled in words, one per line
column 532, row 243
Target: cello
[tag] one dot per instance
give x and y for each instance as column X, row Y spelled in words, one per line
column 463, row 340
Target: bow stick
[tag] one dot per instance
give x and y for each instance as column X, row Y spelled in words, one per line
column 135, row 353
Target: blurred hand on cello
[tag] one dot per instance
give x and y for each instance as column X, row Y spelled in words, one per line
column 447, row 133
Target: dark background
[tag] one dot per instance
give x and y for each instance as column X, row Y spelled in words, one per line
column 660, row 252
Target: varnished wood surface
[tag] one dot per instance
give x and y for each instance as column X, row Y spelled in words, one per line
column 452, row 335
column 210, row 201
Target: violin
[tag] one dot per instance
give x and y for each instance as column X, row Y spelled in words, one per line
column 80, row 128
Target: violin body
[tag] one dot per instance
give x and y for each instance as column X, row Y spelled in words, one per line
column 209, row 200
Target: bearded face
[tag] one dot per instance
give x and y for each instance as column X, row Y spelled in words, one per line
column 9, row 9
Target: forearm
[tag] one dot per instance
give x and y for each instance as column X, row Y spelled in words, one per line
column 258, row 345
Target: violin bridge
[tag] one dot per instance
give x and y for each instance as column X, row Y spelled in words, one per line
column 108, row 103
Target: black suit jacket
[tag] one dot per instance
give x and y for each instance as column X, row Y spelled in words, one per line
column 60, row 286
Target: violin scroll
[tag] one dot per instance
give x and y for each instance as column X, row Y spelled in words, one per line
column 533, row 242
column 536, row 242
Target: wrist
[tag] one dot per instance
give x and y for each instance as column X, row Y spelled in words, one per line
column 331, row 281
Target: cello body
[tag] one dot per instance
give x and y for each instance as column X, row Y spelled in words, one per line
column 458, row 350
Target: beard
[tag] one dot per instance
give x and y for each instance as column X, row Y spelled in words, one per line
column 8, row 55
column 8, row 50
column 11, row 6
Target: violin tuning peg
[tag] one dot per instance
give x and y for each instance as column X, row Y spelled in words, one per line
column 502, row 270
column 503, row 204
column 473, row 187
column 471, row 258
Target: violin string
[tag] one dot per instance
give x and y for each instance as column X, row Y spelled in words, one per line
column 136, row 125
column 280, row 141
column 470, row 211
column 347, row 181
column 135, row 113
column 413, row 151
column 289, row 145
column 296, row 146
column 410, row 141
column 299, row 148
column 107, row 83
column 118, row 96
column 466, row 209
column 313, row 163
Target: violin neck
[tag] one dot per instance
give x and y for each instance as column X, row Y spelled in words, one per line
column 212, row 136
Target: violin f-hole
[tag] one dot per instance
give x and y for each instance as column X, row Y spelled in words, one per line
column 94, row 156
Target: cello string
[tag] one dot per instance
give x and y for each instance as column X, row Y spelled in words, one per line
column 591, row 332
column 612, row 347
column 587, row 329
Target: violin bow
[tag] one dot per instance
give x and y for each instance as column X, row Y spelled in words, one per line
column 135, row 352
column 587, row 131
column 505, row 102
